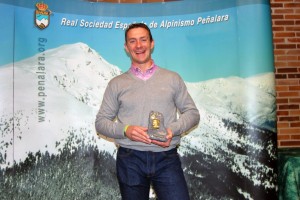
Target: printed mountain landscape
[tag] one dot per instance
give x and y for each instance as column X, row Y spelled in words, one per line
column 50, row 150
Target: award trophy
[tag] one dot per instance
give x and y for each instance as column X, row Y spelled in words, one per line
column 156, row 129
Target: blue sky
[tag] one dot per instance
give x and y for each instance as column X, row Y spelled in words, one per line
column 240, row 46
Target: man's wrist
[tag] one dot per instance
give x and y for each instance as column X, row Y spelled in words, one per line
column 125, row 129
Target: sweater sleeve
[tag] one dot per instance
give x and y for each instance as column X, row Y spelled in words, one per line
column 106, row 123
column 189, row 115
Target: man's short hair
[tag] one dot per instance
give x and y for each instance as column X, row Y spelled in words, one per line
column 138, row 25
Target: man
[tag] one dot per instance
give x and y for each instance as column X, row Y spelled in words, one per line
column 124, row 113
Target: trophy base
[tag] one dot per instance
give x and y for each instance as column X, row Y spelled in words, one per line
column 159, row 136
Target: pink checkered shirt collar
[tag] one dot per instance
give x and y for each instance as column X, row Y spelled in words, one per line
column 144, row 76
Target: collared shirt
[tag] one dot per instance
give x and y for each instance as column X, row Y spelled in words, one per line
column 146, row 75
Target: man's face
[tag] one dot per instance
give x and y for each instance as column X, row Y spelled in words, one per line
column 139, row 47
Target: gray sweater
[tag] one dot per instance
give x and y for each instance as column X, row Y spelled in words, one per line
column 128, row 100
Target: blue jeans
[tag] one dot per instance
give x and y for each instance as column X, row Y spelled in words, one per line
column 137, row 170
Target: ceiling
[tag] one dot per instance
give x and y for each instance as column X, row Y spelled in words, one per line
column 131, row 1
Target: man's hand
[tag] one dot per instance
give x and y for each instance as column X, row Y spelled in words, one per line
column 166, row 143
column 138, row 133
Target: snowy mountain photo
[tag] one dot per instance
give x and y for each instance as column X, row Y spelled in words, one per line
column 49, row 112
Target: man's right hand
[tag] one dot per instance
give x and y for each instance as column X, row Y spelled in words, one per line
column 138, row 133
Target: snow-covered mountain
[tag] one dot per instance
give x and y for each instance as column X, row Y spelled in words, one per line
column 74, row 79
column 43, row 22
column 70, row 81
column 251, row 100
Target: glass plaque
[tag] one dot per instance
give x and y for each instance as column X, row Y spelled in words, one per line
column 156, row 128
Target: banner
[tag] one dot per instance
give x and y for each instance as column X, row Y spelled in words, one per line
column 58, row 56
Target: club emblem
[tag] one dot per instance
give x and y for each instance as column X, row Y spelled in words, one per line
column 42, row 15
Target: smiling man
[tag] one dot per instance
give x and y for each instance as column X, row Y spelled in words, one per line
column 124, row 115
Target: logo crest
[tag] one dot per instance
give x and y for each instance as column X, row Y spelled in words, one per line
column 42, row 15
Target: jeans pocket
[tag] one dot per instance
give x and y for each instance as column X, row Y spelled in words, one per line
column 170, row 154
column 127, row 168
column 124, row 152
